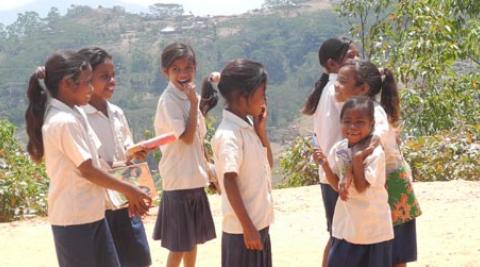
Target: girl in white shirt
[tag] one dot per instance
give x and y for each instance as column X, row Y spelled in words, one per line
column 362, row 226
column 111, row 127
column 59, row 133
column 321, row 104
column 363, row 78
column 243, row 160
column 184, row 218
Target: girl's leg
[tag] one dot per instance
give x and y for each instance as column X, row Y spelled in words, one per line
column 400, row 265
column 174, row 259
column 189, row 258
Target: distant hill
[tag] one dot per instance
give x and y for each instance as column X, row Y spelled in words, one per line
column 285, row 41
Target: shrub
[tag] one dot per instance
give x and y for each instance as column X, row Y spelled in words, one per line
column 23, row 184
column 297, row 166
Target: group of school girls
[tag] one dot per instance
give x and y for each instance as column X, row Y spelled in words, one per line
column 365, row 183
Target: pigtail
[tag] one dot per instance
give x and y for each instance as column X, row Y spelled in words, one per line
column 209, row 97
column 311, row 104
column 390, row 100
column 34, row 116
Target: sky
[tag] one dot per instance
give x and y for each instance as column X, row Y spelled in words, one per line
column 9, row 9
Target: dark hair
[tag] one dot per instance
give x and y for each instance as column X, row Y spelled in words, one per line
column 175, row 51
column 95, row 55
column 239, row 77
column 333, row 48
column 58, row 66
column 209, row 97
column 367, row 72
column 362, row 103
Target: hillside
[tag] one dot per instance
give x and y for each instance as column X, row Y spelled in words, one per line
column 285, row 42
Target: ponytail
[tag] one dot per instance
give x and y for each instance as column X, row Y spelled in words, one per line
column 209, row 97
column 390, row 99
column 37, row 103
column 311, row 104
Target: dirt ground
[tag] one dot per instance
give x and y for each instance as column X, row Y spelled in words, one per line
column 447, row 231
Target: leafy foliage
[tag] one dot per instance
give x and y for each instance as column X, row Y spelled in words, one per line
column 23, row 184
column 297, row 164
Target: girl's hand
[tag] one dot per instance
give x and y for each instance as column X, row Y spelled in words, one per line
column 142, row 154
column 251, row 238
column 374, row 142
column 138, row 201
column 260, row 121
column 190, row 91
column 319, row 157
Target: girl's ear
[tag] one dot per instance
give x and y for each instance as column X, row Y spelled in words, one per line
column 364, row 88
column 164, row 71
column 332, row 66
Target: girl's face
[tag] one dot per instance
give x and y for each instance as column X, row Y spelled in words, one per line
column 346, row 85
column 256, row 103
column 356, row 125
column 103, row 80
column 80, row 91
column 181, row 71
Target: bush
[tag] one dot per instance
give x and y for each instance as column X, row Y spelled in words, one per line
column 297, row 166
column 445, row 156
column 23, row 184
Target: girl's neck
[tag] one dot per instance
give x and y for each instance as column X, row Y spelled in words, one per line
column 100, row 104
column 237, row 111
column 65, row 101
column 363, row 143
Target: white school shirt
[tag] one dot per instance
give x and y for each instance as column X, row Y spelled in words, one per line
column 238, row 149
column 68, row 142
column 364, row 218
column 182, row 166
column 388, row 138
column 326, row 121
column 113, row 131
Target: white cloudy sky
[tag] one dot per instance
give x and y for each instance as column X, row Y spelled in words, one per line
column 198, row 7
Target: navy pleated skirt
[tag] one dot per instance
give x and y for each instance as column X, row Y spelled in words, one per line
column 184, row 220
column 235, row 254
column 129, row 238
column 345, row 254
column 329, row 197
column 405, row 242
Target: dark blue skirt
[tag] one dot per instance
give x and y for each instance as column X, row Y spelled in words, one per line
column 88, row 244
column 329, row 197
column 405, row 243
column 129, row 238
column 184, row 220
column 345, row 254
column 235, row 254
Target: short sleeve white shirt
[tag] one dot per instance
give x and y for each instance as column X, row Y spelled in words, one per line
column 238, row 149
column 182, row 166
column 364, row 218
column 326, row 121
column 68, row 142
column 113, row 131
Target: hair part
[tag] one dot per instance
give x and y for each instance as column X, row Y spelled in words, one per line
column 95, row 55
column 378, row 82
column 176, row 51
column 335, row 49
column 59, row 65
column 362, row 103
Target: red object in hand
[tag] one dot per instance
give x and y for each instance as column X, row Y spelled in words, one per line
column 152, row 143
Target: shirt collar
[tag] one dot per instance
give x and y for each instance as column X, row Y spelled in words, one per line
column 60, row 105
column 172, row 88
column 89, row 109
column 332, row 77
column 227, row 115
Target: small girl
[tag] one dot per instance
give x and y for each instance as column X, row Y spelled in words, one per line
column 59, row 132
column 333, row 54
column 184, row 217
column 362, row 226
column 110, row 125
column 359, row 78
column 243, row 160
